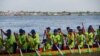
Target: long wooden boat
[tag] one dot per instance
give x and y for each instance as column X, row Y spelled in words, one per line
column 56, row 52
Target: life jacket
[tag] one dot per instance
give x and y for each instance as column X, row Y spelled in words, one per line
column 56, row 39
column 10, row 40
column 22, row 41
column 80, row 40
column 34, row 41
column 48, row 34
column 9, row 43
column 61, row 37
column 90, row 38
column 46, row 47
column 71, row 41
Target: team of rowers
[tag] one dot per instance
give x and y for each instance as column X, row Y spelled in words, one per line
column 29, row 42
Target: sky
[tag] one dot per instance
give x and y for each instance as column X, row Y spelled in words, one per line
column 50, row 5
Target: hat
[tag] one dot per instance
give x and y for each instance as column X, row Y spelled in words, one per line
column 48, row 28
column 55, row 30
column 33, row 31
column 70, row 30
column 21, row 31
column 9, row 31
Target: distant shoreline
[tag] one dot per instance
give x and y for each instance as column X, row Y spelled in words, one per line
column 31, row 13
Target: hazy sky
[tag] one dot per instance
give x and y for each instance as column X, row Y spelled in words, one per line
column 50, row 5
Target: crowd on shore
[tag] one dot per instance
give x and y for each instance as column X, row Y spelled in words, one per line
column 30, row 42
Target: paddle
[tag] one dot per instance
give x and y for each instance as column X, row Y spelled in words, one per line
column 98, row 44
column 59, row 50
column 1, row 34
column 16, row 36
column 79, row 49
column 37, row 52
column 44, row 35
column 97, row 41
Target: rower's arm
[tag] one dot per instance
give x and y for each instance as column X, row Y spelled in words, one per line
column 3, row 32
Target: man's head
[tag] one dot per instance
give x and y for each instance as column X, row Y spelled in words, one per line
column 67, row 28
column 48, row 29
column 78, row 28
column 8, row 32
column 21, row 31
column 59, row 29
column 33, row 32
column 70, row 31
column 55, row 31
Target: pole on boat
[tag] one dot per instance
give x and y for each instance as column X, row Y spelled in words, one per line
column 16, row 35
column 59, row 50
column 1, row 34
column 37, row 52
column 79, row 49
column 44, row 35
column 98, row 44
column 70, row 50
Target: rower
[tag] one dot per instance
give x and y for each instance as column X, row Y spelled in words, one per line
column 33, row 41
column 90, row 39
column 22, row 40
column 47, row 33
column 10, row 42
column 71, row 42
column 55, row 38
column 78, row 28
column 67, row 28
column 1, row 43
column 46, row 45
column 80, row 39
column 61, row 37
column 98, row 35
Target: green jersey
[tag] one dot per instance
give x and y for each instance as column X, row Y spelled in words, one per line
column 90, row 38
column 80, row 40
column 9, row 43
column 56, row 39
column 34, row 42
column 71, row 40
column 22, row 41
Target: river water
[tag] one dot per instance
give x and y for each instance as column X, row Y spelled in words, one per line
column 39, row 23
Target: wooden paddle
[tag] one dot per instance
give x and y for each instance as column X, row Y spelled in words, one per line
column 59, row 50
column 37, row 52
column 98, row 44
column 44, row 35
column 79, row 49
